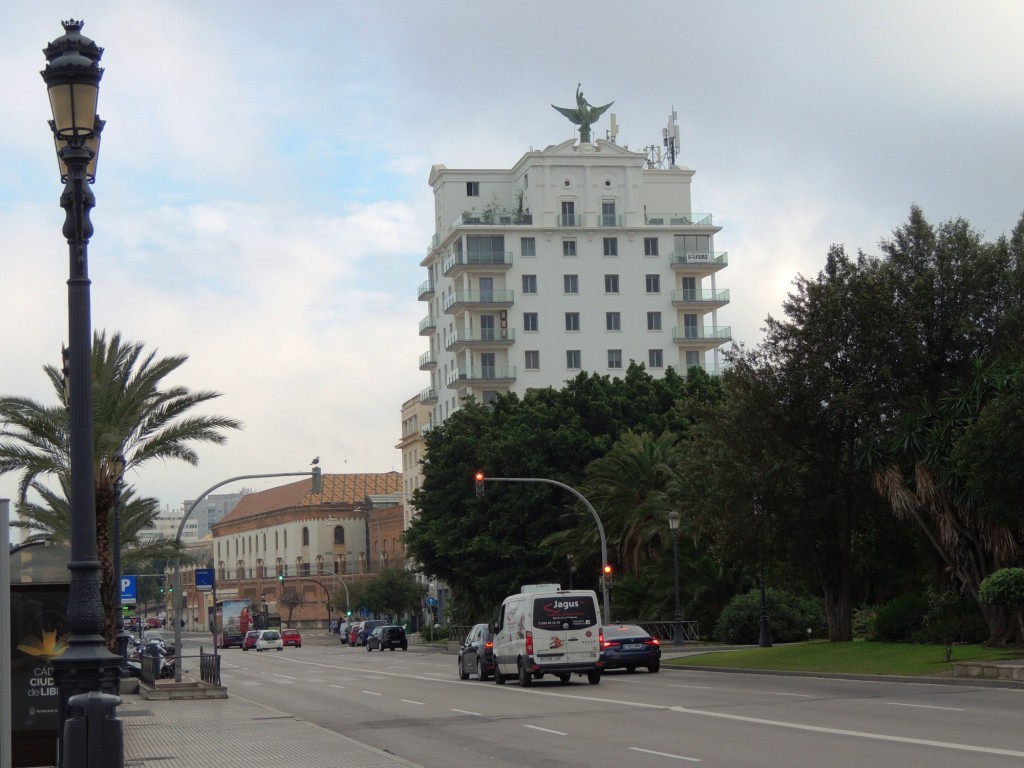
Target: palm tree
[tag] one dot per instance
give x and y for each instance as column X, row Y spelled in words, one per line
column 133, row 418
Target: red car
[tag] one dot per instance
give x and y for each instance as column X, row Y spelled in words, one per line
column 291, row 637
column 249, row 641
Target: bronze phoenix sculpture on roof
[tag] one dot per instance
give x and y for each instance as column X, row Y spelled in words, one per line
column 584, row 115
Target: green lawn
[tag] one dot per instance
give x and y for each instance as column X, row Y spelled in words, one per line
column 858, row 657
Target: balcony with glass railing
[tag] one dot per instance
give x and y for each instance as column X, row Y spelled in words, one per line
column 610, row 220
column 711, row 369
column 428, row 325
column 426, row 290
column 678, row 219
column 706, row 336
column 462, row 300
column 488, row 337
column 569, row 220
column 487, row 374
column 428, row 395
column 704, row 298
column 700, row 262
column 489, row 260
column 492, row 219
column 428, row 361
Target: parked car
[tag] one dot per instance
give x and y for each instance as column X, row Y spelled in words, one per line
column 387, row 636
column 629, row 646
column 269, row 640
column 249, row 641
column 291, row 637
column 343, row 631
column 476, row 655
column 366, row 628
column 353, row 632
column 153, row 623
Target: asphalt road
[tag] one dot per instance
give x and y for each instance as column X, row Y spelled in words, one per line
column 413, row 704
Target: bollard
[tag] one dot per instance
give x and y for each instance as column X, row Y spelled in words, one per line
column 93, row 739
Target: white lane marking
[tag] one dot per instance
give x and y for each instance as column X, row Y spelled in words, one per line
column 924, row 706
column 546, row 730
column 857, row 734
column 668, row 754
column 373, row 693
column 780, row 693
column 286, row 677
column 695, row 687
column 410, row 701
column 466, row 712
column 336, row 686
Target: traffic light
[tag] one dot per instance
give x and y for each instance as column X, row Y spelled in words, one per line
column 479, row 483
column 280, row 578
column 348, row 613
column 606, row 574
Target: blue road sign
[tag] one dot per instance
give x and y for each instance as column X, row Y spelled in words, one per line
column 204, row 579
column 431, row 601
column 129, row 589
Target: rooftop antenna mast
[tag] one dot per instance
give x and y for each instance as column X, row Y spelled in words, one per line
column 612, row 131
column 670, row 138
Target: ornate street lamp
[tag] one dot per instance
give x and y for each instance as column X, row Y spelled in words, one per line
column 677, row 619
column 72, row 76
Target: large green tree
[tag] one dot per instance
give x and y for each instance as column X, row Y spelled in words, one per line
column 134, row 416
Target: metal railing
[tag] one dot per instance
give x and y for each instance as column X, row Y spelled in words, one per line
column 209, row 667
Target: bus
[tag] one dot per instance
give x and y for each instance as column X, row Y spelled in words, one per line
column 235, row 617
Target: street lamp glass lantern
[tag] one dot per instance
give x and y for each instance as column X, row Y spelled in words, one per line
column 673, row 520
column 72, row 77
column 92, row 143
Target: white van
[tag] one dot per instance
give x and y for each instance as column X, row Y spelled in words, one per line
column 548, row 630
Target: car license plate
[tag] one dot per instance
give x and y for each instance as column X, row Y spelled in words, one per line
column 633, row 647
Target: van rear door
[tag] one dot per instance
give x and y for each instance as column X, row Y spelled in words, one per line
column 560, row 624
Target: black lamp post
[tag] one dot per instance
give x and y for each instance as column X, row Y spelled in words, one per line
column 72, row 76
column 117, row 475
column 765, row 638
column 677, row 619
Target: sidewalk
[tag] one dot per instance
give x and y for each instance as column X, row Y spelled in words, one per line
column 235, row 733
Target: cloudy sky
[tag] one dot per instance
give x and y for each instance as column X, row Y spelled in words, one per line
column 262, row 197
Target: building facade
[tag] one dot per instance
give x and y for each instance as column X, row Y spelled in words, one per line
column 212, row 509
column 579, row 257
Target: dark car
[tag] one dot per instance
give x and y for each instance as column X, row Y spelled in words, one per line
column 387, row 636
column 627, row 646
column 366, row 628
column 476, row 656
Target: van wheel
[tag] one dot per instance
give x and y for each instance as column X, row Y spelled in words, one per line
column 525, row 677
column 565, row 678
column 481, row 670
column 463, row 674
column 499, row 678
column 594, row 676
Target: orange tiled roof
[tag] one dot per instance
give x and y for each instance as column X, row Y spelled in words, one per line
column 338, row 489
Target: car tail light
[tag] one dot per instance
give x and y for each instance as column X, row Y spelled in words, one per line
column 488, row 644
column 529, row 643
column 652, row 641
column 609, row 644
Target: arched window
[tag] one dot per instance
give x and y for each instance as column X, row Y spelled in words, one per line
column 339, row 535
column 305, row 537
column 264, row 542
column 243, row 546
column 286, row 539
column 276, row 543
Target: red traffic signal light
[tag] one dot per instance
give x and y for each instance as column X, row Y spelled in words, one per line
column 607, row 570
column 479, row 476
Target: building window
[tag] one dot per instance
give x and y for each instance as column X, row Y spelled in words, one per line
column 568, row 213
column 305, row 537
column 654, row 321
column 573, row 359
column 572, row 321
column 532, row 359
column 472, row 189
column 530, row 321
column 612, row 321
column 611, row 283
column 692, row 359
column 652, row 283
column 571, row 283
column 568, row 247
column 654, row 359
column 650, row 246
column 611, row 246
column 614, row 358
column 608, row 218
column 339, row 535
column 528, row 246
column 529, row 283
column 285, row 539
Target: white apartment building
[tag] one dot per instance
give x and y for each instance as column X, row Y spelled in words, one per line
column 579, row 257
